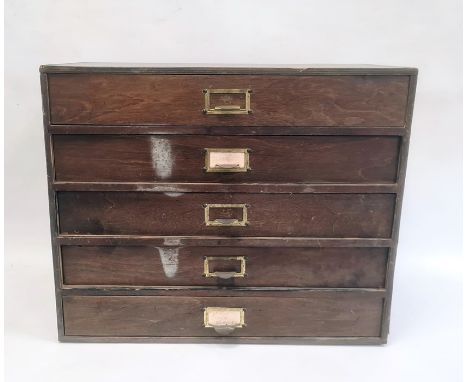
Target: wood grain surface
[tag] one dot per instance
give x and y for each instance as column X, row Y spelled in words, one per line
column 265, row 267
column 149, row 213
column 155, row 158
column 342, row 315
column 120, row 99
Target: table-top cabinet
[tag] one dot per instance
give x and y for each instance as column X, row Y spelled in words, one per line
column 225, row 204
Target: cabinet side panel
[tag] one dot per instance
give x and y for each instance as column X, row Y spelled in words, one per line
column 52, row 202
column 398, row 205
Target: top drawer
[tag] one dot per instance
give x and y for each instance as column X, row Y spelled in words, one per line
column 228, row 100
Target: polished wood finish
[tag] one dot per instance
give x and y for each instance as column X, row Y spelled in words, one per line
column 150, row 213
column 325, row 315
column 122, row 158
column 269, row 267
column 118, row 99
column 330, row 260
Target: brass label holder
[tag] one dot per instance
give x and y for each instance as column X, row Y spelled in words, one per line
column 223, row 320
column 224, row 275
column 226, row 109
column 226, row 160
column 226, row 222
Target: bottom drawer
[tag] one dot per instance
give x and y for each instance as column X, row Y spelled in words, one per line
column 322, row 314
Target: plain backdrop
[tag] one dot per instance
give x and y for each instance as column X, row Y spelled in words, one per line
column 425, row 338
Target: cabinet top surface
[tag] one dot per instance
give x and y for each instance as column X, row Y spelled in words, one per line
column 288, row 69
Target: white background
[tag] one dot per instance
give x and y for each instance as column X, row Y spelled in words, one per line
column 425, row 338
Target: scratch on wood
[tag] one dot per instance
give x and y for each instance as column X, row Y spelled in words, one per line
column 174, row 190
column 173, row 194
column 171, row 241
column 169, row 260
column 161, row 155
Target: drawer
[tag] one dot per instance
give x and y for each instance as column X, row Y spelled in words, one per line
column 227, row 214
column 146, row 158
column 177, row 100
column 224, row 266
column 325, row 314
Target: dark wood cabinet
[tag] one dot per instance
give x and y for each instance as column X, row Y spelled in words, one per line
column 235, row 204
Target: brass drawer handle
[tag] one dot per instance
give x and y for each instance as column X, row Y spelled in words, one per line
column 224, row 320
column 227, row 109
column 226, row 160
column 226, row 222
column 227, row 166
column 224, row 275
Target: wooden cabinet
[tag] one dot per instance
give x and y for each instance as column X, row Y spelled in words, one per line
column 209, row 204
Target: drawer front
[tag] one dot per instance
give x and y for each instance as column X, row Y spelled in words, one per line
column 124, row 99
column 322, row 315
column 224, row 266
column 237, row 214
column 142, row 158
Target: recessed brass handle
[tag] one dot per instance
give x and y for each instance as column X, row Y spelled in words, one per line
column 224, row 320
column 224, row 275
column 227, row 165
column 226, row 160
column 226, row 222
column 227, row 109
